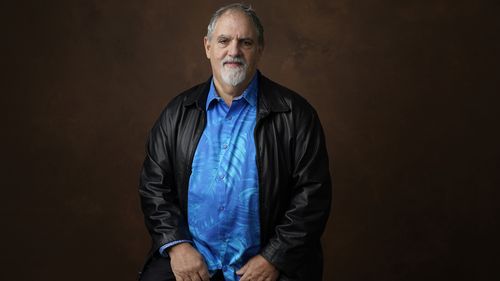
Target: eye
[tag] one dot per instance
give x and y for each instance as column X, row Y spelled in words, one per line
column 223, row 41
column 247, row 43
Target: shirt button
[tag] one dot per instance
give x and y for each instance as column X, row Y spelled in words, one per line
column 229, row 118
column 224, row 268
column 221, row 208
column 221, row 177
column 224, row 146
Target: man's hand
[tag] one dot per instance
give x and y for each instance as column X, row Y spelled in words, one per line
column 258, row 269
column 187, row 264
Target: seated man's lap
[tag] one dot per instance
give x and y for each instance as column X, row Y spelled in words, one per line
column 157, row 269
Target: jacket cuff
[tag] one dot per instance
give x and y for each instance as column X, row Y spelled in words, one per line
column 273, row 255
column 163, row 248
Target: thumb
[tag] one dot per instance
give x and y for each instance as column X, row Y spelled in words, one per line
column 242, row 270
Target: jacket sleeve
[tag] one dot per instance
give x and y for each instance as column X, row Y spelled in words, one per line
column 303, row 223
column 159, row 199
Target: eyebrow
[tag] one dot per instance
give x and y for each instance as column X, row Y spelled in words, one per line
column 223, row 36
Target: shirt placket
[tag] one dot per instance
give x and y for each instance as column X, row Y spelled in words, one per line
column 228, row 128
column 220, row 177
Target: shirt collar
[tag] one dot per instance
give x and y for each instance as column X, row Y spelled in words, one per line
column 249, row 94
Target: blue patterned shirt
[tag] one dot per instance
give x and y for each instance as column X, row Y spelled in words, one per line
column 223, row 197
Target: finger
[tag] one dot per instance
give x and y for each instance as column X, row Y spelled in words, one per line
column 247, row 277
column 242, row 270
column 204, row 275
column 273, row 277
column 178, row 278
column 182, row 277
column 195, row 277
column 259, row 278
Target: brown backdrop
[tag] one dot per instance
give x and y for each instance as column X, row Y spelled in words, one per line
column 406, row 91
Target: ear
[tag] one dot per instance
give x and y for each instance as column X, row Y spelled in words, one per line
column 260, row 49
column 206, row 42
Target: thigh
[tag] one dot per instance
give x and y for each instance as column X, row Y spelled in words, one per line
column 157, row 269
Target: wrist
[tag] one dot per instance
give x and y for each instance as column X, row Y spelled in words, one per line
column 179, row 248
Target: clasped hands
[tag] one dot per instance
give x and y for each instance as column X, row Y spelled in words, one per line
column 188, row 265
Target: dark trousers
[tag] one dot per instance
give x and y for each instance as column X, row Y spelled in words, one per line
column 158, row 269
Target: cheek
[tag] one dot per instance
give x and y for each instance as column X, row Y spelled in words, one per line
column 251, row 59
column 219, row 54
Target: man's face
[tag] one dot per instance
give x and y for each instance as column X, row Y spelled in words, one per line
column 233, row 49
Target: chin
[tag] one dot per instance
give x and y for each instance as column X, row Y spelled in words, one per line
column 234, row 77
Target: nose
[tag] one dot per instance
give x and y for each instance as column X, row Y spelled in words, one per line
column 234, row 49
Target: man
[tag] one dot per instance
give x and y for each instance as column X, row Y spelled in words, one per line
column 235, row 184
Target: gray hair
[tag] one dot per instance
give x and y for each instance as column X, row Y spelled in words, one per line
column 247, row 10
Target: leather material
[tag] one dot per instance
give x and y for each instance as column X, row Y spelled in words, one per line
column 294, row 177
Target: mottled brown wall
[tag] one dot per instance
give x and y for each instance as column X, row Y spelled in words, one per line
column 406, row 90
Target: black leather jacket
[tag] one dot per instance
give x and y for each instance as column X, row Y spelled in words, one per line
column 294, row 178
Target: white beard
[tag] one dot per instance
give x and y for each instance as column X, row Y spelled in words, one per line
column 234, row 76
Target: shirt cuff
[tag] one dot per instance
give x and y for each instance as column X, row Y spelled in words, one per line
column 170, row 244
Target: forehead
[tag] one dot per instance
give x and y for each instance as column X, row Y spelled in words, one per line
column 235, row 23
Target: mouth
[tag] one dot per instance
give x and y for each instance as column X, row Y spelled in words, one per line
column 233, row 64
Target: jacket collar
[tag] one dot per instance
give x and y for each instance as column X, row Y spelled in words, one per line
column 269, row 98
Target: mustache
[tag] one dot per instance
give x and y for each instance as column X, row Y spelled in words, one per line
column 234, row 60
